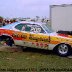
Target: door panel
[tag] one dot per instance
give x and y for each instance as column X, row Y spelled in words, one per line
column 39, row 40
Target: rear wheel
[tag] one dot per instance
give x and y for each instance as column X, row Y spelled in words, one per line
column 9, row 41
column 63, row 50
column 6, row 40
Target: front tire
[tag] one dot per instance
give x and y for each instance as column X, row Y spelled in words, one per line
column 63, row 50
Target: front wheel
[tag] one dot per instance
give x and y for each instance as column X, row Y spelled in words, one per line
column 63, row 50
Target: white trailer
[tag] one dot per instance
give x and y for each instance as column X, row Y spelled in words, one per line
column 61, row 17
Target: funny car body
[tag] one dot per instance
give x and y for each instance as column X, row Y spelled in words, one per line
column 36, row 35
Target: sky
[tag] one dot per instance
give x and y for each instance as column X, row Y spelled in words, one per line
column 28, row 8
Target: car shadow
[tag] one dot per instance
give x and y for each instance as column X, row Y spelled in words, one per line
column 41, row 51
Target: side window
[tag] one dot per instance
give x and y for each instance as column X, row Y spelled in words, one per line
column 37, row 29
column 23, row 27
column 19, row 26
column 30, row 28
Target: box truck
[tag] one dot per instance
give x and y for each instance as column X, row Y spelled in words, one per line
column 61, row 17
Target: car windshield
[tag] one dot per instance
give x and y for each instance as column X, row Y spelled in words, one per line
column 47, row 28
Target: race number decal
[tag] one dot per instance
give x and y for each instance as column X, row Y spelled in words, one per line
column 36, row 30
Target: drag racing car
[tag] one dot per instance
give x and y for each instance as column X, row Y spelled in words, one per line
column 36, row 35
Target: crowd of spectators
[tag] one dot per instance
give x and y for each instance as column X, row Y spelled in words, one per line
column 4, row 22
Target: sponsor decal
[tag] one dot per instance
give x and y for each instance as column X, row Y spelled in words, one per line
column 41, row 44
column 20, row 35
column 37, row 44
column 29, row 37
column 38, row 38
column 46, row 45
column 32, row 42
column 57, row 40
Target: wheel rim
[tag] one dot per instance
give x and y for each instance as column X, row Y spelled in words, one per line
column 63, row 49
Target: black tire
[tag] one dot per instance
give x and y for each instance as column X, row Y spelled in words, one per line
column 63, row 50
column 9, row 41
